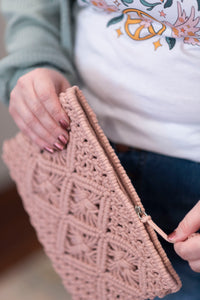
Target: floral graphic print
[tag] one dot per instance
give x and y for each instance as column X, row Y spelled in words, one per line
column 139, row 25
column 145, row 28
column 186, row 27
column 103, row 5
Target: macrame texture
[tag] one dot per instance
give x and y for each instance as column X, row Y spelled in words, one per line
column 81, row 203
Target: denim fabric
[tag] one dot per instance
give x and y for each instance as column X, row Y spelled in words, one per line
column 168, row 187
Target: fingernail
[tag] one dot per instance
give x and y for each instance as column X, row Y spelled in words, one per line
column 50, row 150
column 64, row 124
column 62, row 139
column 172, row 236
column 58, row 146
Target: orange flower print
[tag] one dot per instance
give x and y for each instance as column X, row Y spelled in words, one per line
column 103, row 5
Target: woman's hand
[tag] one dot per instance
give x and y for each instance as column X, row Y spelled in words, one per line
column 35, row 108
column 186, row 242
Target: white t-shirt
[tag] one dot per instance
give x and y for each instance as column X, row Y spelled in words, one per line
column 139, row 62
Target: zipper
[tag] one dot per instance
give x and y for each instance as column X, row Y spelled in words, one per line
column 144, row 218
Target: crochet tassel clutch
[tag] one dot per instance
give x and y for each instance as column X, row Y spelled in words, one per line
column 87, row 214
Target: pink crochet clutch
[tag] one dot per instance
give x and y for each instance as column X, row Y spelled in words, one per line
column 87, row 214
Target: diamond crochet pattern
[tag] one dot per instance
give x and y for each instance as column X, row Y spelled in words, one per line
column 81, row 204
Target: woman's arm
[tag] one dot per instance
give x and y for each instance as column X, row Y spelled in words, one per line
column 34, row 38
column 37, row 68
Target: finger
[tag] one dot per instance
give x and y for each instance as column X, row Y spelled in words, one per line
column 46, row 93
column 31, row 134
column 39, row 110
column 18, row 105
column 195, row 265
column 189, row 249
column 189, row 225
column 33, row 125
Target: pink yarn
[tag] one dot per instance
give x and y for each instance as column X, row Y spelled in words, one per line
column 81, row 204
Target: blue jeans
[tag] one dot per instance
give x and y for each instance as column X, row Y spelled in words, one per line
column 168, row 187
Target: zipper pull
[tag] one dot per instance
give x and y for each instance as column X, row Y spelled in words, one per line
column 140, row 212
column 144, row 218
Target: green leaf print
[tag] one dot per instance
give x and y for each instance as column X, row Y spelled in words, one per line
column 171, row 42
column 198, row 2
column 168, row 3
column 149, row 5
column 127, row 1
column 115, row 20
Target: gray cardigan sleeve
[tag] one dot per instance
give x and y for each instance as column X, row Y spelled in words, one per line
column 38, row 34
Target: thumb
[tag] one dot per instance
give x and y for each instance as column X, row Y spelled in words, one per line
column 190, row 224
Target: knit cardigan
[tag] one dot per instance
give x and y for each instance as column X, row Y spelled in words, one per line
column 38, row 33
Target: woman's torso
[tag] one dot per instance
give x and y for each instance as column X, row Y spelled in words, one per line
column 140, row 66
